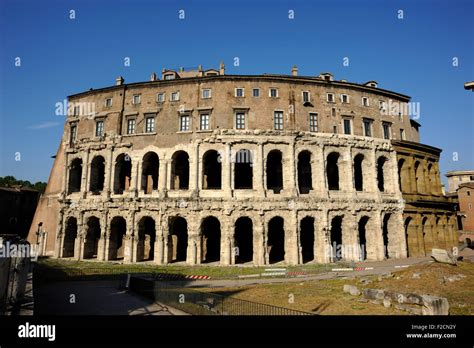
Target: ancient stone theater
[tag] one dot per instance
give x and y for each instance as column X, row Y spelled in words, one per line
column 197, row 166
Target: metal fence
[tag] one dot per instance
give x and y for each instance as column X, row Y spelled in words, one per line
column 197, row 302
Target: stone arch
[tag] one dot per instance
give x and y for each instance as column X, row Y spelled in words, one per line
column 362, row 237
column 146, row 239
column 274, row 171
column 332, row 171
column 118, row 231
column 177, row 239
column 180, row 171
column 243, row 171
column 210, row 240
column 307, row 239
column 403, row 176
column 75, row 175
column 276, row 240
column 305, row 176
column 70, row 235
column 211, row 170
column 419, row 177
column 91, row 242
column 409, row 237
column 97, row 176
column 386, row 226
column 122, row 173
column 150, row 171
column 336, row 238
column 243, row 239
column 381, row 173
column 358, row 172
column 430, row 179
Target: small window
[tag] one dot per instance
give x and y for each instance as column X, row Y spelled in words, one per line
column 344, row 98
column 206, row 93
column 273, row 93
column 278, row 120
column 471, row 177
column 256, row 92
column 382, row 105
column 239, row 92
column 204, row 122
column 73, row 134
column 150, row 124
column 77, row 110
column 365, row 101
column 136, row 99
column 306, row 97
column 108, row 102
column 402, row 134
column 175, row 96
column 240, row 120
column 184, row 123
column 313, row 122
column 347, row 126
column 169, row 77
column 330, row 98
column 160, row 97
column 386, row 130
column 334, row 129
column 367, row 128
column 131, row 126
column 333, row 112
column 99, row 128
column 468, row 193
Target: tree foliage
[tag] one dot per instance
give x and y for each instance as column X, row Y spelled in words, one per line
column 11, row 181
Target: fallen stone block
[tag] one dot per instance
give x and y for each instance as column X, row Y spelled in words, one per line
column 442, row 256
column 374, row 294
column 351, row 289
column 434, row 305
column 387, row 303
column 408, row 308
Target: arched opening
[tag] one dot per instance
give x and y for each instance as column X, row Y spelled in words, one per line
column 274, row 171
column 92, row 238
column 243, row 240
column 276, row 240
column 408, row 236
column 75, row 175
column 177, row 239
column 123, row 173
column 386, row 220
column 307, row 239
column 97, row 175
column 418, row 178
column 180, row 171
column 425, row 228
column 332, row 171
column 212, row 171
column 118, row 230
column 305, row 183
column 358, row 175
column 336, row 238
column 150, row 170
column 146, row 239
column 70, row 235
column 430, row 179
column 380, row 173
column 362, row 229
column 243, row 173
column 211, row 240
column 401, row 175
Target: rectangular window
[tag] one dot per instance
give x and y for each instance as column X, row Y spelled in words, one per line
column 149, row 124
column 240, row 120
column 333, row 112
column 131, row 126
column 73, row 134
column 273, row 93
column 99, row 128
column 175, row 96
column 365, row 101
column 108, row 102
column 402, row 134
column 386, row 130
column 204, row 122
column 77, row 110
column 330, row 98
column 160, row 97
column 334, row 129
column 471, row 177
column 136, row 99
column 381, row 105
column 306, row 97
column 344, row 98
column 184, row 123
column 368, row 128
column 278, row 120
column 169, row 77
column 239, row 92
column 313, row 122
column 256, row 92
column 206, row 93
column 347, row 126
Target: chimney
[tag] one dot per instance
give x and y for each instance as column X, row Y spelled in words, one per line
column 221, row 68
column 294, row 70
column 153, row 77
column 119, row 81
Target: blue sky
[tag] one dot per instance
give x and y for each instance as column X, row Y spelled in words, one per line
column 60, row 56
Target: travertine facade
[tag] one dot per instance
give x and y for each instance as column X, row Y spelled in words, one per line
column 203, row 167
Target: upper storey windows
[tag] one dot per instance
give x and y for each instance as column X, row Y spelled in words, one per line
column 160, row 97
column 344, row 99
column 73, row 133
column 137, row 98
column 108, row 102
column 206, row 93
column 330, row 98
column 174, row 96
column 365, row 101
column 239, row 92
column 256, row 92
column 306, row 97
column 273, row 93
column 99, row 128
